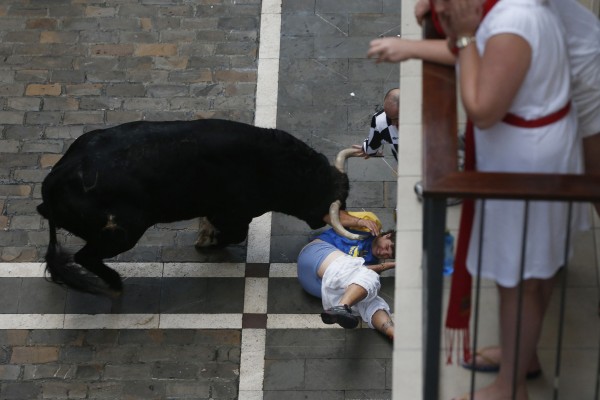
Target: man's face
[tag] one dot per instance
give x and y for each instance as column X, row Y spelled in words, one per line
column 383, row 247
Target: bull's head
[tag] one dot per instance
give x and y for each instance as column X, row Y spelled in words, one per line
column 334, row 209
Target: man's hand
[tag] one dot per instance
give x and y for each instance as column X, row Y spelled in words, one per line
column 368, row 224
column 392, row 49
column 359, row 151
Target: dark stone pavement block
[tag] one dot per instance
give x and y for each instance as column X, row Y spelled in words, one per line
column 321, row 71
column 49, row 371
column 187, row 390
column 375, row 25
column 202, row 295
column 116, row 354
column 173, row 370
column 9, row 295
column 363, row 69
column 105, row 390
column 76, row 354
column 224, row 389
column 367, row 344
column 313, row 25
column 354, row 94
column 128, row 372
column 366, row 195
column 374, row 169
column 140, row 296
column 295, row 94
column 200, row 354
column 90, row 372
column 222, row 370
column 148, row 354
column 38, row 296
column 284, row 374
column 387, row 290
column 85, row 303
column 297, row 47
column 294, row 6
column 303, row 395
column 157, row 337
column 285, row 248
column 304, row 343
column 218, row 336
column 348, row 47
column 350, row 6
column 139, row 253
column 307, row 118
column 21, row 390
column 5, row 353
column 343, row 373
column 282, row 224
column 148, row 390
column 391, row 7
column 231, row 253
column 331, row 143
column 286, row 296
column 369, row 394
column 389, row 369
column 102, row 337
column 9, row 372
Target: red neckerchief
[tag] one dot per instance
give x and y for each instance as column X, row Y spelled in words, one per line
column 458, row 313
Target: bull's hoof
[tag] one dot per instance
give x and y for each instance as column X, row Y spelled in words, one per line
column 205, row 241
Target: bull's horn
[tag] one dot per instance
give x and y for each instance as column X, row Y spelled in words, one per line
column 340, row 159
column 334, row 215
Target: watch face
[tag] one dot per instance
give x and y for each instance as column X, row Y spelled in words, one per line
column 464, row 41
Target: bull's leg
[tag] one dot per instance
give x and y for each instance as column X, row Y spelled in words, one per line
column 230, row 229
column 90, row 258
column 117, row 236
column 206, row 233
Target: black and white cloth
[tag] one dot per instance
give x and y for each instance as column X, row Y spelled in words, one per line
column 381, row 131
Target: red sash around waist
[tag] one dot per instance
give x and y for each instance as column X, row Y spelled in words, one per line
column 515, row 120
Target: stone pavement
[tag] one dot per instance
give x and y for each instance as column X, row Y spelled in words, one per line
column 190, row 325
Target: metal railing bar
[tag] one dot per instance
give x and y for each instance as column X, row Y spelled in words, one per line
column 563, row 296
column 477, row 298
column 520, row 302
column 434, row 222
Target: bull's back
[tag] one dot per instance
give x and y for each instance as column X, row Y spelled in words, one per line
column 178, row 169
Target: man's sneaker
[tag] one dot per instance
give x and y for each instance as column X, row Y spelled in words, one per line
column 341, row 315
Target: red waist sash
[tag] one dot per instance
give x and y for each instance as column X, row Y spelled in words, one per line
column 515, row 120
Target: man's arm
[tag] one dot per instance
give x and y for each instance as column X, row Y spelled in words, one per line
column 372, row 145
column 384, row 266
column 349, row 221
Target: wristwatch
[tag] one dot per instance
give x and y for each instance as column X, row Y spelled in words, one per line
column 464, row 41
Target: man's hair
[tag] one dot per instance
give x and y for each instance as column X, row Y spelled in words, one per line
column 392, row 237
column 392, row 95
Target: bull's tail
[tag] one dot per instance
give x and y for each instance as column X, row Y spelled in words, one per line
column 63, row 270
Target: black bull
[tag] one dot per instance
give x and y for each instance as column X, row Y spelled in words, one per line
column 113, row 184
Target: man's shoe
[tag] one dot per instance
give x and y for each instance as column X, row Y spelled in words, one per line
column 341, row 315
